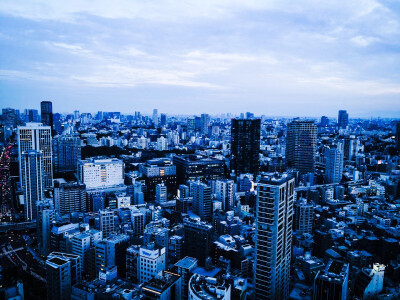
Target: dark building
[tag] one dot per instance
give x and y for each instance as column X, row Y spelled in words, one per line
column 193, row 167
column 156, row 171
column 69, row 197
column 198, row 239
column 67, row 152
column 332, row 282
column 301, row 145
column 46, row 113
column 163, row 120
column 343, row 119
column 324, row 121
column 245, row 147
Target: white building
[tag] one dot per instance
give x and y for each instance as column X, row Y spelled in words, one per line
column 225, row 192
column 162, row 144
column 35, row 136
column 101, row 173
column 152, row 260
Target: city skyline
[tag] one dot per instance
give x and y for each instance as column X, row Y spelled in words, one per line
column 276, row 58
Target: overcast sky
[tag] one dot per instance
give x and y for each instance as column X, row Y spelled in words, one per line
column 279, row 57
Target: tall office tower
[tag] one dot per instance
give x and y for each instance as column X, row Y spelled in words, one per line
column 161, row 193
column 332, row 282
column 46, row 110
column 152, row 260
column 245, row 146
column 67, row 153
column 35, row 136
column 32, row 182
column 62, row 272
column 324, row 121
column 343, row 119
column 163, row 119
column 46, row 216
column 398, row 135
column 301, row 145
column 334, row 165
column 155, row 117
column 185, row 268
column 202, row 203
column 198, row 239
column 76, row 114
column 69, row 197
column 225, row 192
column 191, row 124
column 275, row 197
column 106, row 222
column 205, row 123
column 101, row 173
column 303, row 216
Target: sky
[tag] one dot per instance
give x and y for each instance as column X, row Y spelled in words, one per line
column 270, row 57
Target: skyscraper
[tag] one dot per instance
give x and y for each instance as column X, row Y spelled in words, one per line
column 32, row 182
column 46, row 110
column 245, row 147
column 343, row 119
column 301, row 145
column 67, row 153
column 205, row 122
column 35, row 136
column 155, row 117
column 275, row 196
column 334, row 165
column 202, row 204
column 163, row 119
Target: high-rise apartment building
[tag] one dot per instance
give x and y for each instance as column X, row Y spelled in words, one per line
column 35, row 136
column 301, row 145
column 46, row 216
column 334, row 165
column 275, row 197
column 67, row 153
column 343, row 119
column 69, row 197
column 32, row 182
column 202, row 203
column 101, row 173
column 225, row 192
column 303, row 216
column 245, row 145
